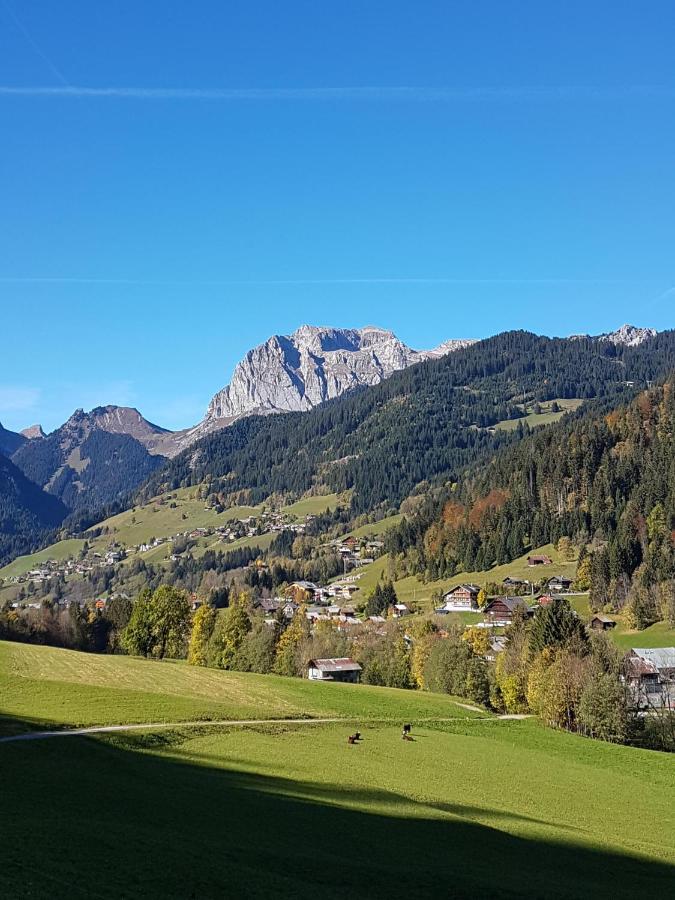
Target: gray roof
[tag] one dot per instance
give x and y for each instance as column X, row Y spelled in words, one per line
column 510, row 602
column 661, row 657
column 343, row 664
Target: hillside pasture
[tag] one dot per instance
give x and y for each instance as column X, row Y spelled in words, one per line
column 413, row 589
column 52, row 686
column 545, row 417
column 473, row 806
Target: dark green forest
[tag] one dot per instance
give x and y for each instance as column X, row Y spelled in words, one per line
column 28, row 515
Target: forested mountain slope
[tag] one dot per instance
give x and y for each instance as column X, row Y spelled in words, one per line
column 27, row 513
column 603, row 480
column 424, row 423
column 10, row 441
column 94, row 458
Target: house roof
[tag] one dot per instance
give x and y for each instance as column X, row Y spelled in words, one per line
column 472, row 588
column 659, row 657
column 343, row 664
column 511, row 603
column 601, row 618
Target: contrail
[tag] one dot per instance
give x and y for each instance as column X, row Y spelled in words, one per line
column 367, row 93
column 43, row 56
column 302, row 281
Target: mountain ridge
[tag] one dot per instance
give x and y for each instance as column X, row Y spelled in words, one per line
column 296, row 372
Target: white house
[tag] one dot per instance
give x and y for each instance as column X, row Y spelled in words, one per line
column 463, row 598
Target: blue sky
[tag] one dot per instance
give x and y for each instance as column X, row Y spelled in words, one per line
column 180, row 180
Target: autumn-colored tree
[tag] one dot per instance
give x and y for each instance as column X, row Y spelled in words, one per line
column 202, row 628
column 478, row 639
column 287, row 660
column 232, row 627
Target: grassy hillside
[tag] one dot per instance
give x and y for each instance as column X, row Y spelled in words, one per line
column 412, row 588
column 473, row 807
column 159, row 518
column 58, row 552
column 165, row 516
column 51, row 686
column 545, row 417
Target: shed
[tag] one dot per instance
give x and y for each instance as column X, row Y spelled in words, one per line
column 342, row 669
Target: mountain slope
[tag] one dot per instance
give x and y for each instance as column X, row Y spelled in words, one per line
column 10, row 441
column 607, row 476
column 27, row 513
column 296, row 373
column 420, row 424
column 94, row 458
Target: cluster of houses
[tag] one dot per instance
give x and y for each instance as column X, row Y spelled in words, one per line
column 356, row 553
column 322, row 604
column 499, row 611
column 53, row 568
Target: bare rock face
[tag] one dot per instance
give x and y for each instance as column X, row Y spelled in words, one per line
column 310, row 366
column 33, row 433
column 629, row 335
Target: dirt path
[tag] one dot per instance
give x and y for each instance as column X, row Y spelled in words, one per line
column 145, row 726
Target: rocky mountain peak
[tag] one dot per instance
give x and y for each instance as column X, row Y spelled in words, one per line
column 313, row 364
column 33, row 433
column 629, row 335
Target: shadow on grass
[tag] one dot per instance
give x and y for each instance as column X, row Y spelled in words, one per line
column 92, row 817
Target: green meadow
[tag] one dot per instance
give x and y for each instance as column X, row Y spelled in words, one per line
column 473, row 806
column 545, row 417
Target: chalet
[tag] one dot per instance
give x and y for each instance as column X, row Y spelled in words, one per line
column 544, row 600
column 500, row 611
column 289, row 609
column 601, row 623
column 343, row 669
column 539, row 560
column 461, row 598
column 649, row 674
column 559, row 583
column 305, row 587
column 513, row 582
column 270, row 605
column 350, row 542
column 399, row 610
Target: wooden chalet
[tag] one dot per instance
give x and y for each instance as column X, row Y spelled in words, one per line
column 462, row 597
column 539, row 560
column 500, row 611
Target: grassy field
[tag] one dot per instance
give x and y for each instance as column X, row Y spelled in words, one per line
column 375, row 529
column 412, row 589
column 312, row 506
column 46, row 685
column 158, row 519
column 545, row 417
column 472, row 807
column 659, row 635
